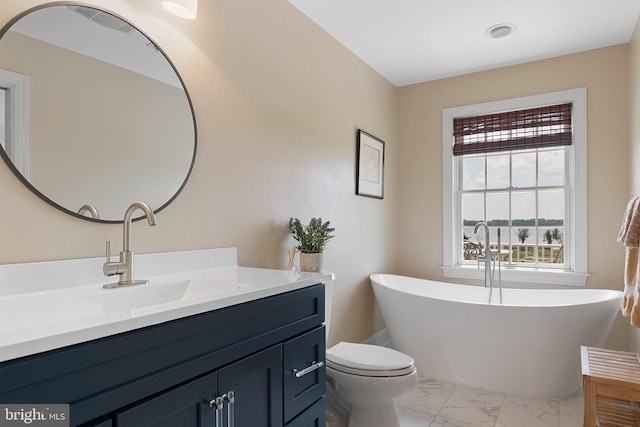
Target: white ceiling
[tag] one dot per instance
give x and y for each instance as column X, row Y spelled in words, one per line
column 61, row 26
column 412, row 41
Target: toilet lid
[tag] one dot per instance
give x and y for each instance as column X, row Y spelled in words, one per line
column 368, row 360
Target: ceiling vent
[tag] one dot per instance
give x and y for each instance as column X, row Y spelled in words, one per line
column 103, row 18
column 501, row 30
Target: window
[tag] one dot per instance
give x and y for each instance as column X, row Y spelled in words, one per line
column 519, row 165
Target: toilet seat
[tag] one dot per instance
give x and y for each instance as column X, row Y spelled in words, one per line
column 368, row 360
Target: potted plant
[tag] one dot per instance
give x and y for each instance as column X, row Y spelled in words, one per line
column 312, row 239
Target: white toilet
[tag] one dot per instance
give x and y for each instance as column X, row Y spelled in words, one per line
column 363, row 380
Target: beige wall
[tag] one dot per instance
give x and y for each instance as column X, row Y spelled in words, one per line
column 634, row 158
column 603, row 72
column 277, row 103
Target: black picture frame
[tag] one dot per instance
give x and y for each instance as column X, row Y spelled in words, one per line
column 369, row 166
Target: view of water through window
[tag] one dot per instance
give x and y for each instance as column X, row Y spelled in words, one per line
column 523, row 194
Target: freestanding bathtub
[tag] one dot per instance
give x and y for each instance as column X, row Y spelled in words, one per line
column 528, row 345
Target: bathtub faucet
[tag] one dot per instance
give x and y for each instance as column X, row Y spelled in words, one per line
column 487, row 252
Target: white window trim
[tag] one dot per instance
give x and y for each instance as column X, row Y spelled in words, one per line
column 577, row 199
column 17, row 119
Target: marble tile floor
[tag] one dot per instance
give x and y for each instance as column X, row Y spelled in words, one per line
column 438, row 404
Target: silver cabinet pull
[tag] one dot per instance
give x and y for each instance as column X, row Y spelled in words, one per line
column 314, row 366
column 230, row 398
column 217, row 404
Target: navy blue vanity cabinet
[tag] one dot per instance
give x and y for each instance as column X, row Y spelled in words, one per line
column 255, row 381
column 244, row 357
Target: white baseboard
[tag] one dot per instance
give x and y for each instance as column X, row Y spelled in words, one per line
column 380, row 338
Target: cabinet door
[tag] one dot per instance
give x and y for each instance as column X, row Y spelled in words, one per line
column 184, row 406
column 256, row 382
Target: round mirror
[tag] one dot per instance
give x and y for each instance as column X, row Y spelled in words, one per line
column 95, row 116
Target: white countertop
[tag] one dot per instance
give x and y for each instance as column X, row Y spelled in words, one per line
column 41, row 318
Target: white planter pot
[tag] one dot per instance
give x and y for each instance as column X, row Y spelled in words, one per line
column 311, row 262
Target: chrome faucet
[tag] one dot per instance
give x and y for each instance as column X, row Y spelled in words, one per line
column 487, row 252
column 124, row 266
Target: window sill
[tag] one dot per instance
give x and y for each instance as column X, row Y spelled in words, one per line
column 520, row 275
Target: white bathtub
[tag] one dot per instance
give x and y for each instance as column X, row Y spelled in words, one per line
column 528, row 345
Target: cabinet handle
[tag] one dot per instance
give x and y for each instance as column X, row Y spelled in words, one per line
column 230, row 398
column 314, row 366
column 218, row 404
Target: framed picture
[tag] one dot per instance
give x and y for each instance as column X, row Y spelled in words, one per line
column 370, row 166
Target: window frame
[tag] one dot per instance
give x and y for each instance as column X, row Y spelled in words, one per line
column 16, row 119
column 576, row 273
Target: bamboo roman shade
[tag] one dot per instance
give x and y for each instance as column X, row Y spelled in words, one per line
column 539, row 127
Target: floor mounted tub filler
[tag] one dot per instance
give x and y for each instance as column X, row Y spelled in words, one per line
column 529, row 344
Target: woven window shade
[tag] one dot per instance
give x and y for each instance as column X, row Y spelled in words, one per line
column 513, row 130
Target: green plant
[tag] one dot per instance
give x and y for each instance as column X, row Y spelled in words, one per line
column 557, row 235
column 551, row 235
column 523, row 233
column 312, row 238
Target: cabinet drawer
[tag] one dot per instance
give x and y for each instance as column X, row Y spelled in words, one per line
column 303, row 385
column 312, row 417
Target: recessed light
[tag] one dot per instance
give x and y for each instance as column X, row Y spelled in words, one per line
column 187, row 9
column 500, row 30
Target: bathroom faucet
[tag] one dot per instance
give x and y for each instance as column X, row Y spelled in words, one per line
column 124, row 267
column 487, row 252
